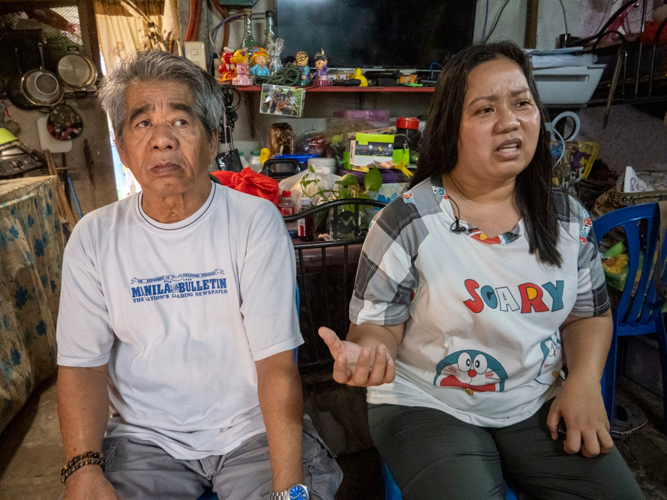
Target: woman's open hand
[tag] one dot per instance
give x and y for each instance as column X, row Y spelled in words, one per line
column 581, row 405
column 356, row 365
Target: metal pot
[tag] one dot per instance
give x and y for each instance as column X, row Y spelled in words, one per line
column 41, row 87
column 14, row 91
column 76, row 70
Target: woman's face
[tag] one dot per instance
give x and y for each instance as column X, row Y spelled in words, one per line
column 500, row 123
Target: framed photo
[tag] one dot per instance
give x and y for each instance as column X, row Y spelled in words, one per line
column 281, row 100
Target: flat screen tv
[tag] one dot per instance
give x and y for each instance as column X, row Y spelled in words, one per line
column 376, row 33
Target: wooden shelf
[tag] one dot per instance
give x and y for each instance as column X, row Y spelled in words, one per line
column 332, row 88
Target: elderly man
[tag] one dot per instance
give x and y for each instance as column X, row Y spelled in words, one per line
column 178, row 308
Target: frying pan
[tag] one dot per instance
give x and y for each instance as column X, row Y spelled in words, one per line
column 76, row 70
column 41, row 87
column 14, row 91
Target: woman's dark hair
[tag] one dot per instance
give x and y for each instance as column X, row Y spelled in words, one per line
column 438, row 152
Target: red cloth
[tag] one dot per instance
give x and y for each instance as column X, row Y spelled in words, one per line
column 250, row 182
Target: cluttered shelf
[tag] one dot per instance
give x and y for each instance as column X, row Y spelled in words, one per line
column 332, row 88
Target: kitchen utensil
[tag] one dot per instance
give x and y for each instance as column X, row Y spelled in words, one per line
column 614, row 81
column 15, row 157
column 9, row 123
column 76, row 70
column 64, row 124
column 41, row 87
column 14, row 91
column 48, row 142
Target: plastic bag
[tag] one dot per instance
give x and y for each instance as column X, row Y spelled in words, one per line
column 250, row 182
column 313, row 183
column 310, row 143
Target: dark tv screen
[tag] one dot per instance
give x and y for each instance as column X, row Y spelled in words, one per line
column 376, row 33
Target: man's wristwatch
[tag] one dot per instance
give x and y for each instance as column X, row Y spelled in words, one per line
column 296, row 492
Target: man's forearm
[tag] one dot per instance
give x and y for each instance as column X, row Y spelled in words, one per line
column 281, row 402
column 83, row 408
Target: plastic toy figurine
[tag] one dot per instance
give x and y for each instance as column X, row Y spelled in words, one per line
column 227, row 70
column 320, row 75
column 302, row 60
column 240, row 59
column 259, row 61
column 358, row 76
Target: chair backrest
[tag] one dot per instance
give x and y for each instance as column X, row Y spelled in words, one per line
column 639, row 305
column 325, row 277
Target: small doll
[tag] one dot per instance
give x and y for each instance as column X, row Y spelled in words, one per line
column 320, row 75
column 302, row 61
column 227, row 70
column 240, row 59
column 259, row 61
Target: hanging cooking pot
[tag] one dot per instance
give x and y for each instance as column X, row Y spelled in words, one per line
column 14, row 91
column 64, row 123
column 41, row 87
column 76, row 70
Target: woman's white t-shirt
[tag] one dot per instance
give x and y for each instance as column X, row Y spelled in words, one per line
column 482, row 315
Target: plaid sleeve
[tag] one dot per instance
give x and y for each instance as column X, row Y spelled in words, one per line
column 386, row 276
column 592, row 298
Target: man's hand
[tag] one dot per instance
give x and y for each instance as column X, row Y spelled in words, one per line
column 359, row 366
column 580, row 404
column 89, row 483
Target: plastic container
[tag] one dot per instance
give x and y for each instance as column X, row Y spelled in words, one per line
column 244, row 162
column 307, row 224
column 255, row 162
column 371, row 115
column 329, row 163
column 286, row 205
column 302, row 159
column 568, row 85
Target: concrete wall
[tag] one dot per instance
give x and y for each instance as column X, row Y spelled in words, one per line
column 96, row 131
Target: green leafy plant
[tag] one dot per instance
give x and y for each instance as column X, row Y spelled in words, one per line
column 346, row 187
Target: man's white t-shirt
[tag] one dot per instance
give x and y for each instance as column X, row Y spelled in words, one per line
column 482, row 315
column 181, row 312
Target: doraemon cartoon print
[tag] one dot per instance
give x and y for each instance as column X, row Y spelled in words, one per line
column 551, row 357
column 471, row 370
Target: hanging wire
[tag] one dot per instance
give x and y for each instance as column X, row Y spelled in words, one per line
column 486, row 18
column 496, row 21
column 564, row 16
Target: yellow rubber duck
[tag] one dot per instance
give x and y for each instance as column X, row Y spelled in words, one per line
column 358, row 76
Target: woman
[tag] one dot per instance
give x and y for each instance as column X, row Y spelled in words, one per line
column 470, row 291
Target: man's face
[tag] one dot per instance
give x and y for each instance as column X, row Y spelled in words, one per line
column 163, row 142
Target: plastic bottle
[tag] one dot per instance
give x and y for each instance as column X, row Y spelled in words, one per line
column 307, row 224
column 255, row 162
column 286, row 207
column 244, row 162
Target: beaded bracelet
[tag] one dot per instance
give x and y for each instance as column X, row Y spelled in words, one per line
column 87, row 458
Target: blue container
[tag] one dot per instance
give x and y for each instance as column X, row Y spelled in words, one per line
column 302, row 159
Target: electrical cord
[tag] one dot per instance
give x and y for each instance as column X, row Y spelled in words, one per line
column 486, row 18
column 496, row 21
column 564, row 16
column 288, row 75
column 604, row 28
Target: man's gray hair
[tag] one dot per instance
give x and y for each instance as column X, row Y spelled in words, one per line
column 156, row 65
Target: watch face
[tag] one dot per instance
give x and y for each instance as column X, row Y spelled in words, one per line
column 298, row 492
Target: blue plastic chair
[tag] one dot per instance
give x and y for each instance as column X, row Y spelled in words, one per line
column 392, row 492
column 639, row 312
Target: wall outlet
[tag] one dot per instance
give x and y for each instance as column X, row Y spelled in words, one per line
column 196, row 52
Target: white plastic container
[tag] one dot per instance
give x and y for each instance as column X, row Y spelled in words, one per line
column 329, row 163
column 255, row 164
column 568, row 85
column 244, row 162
